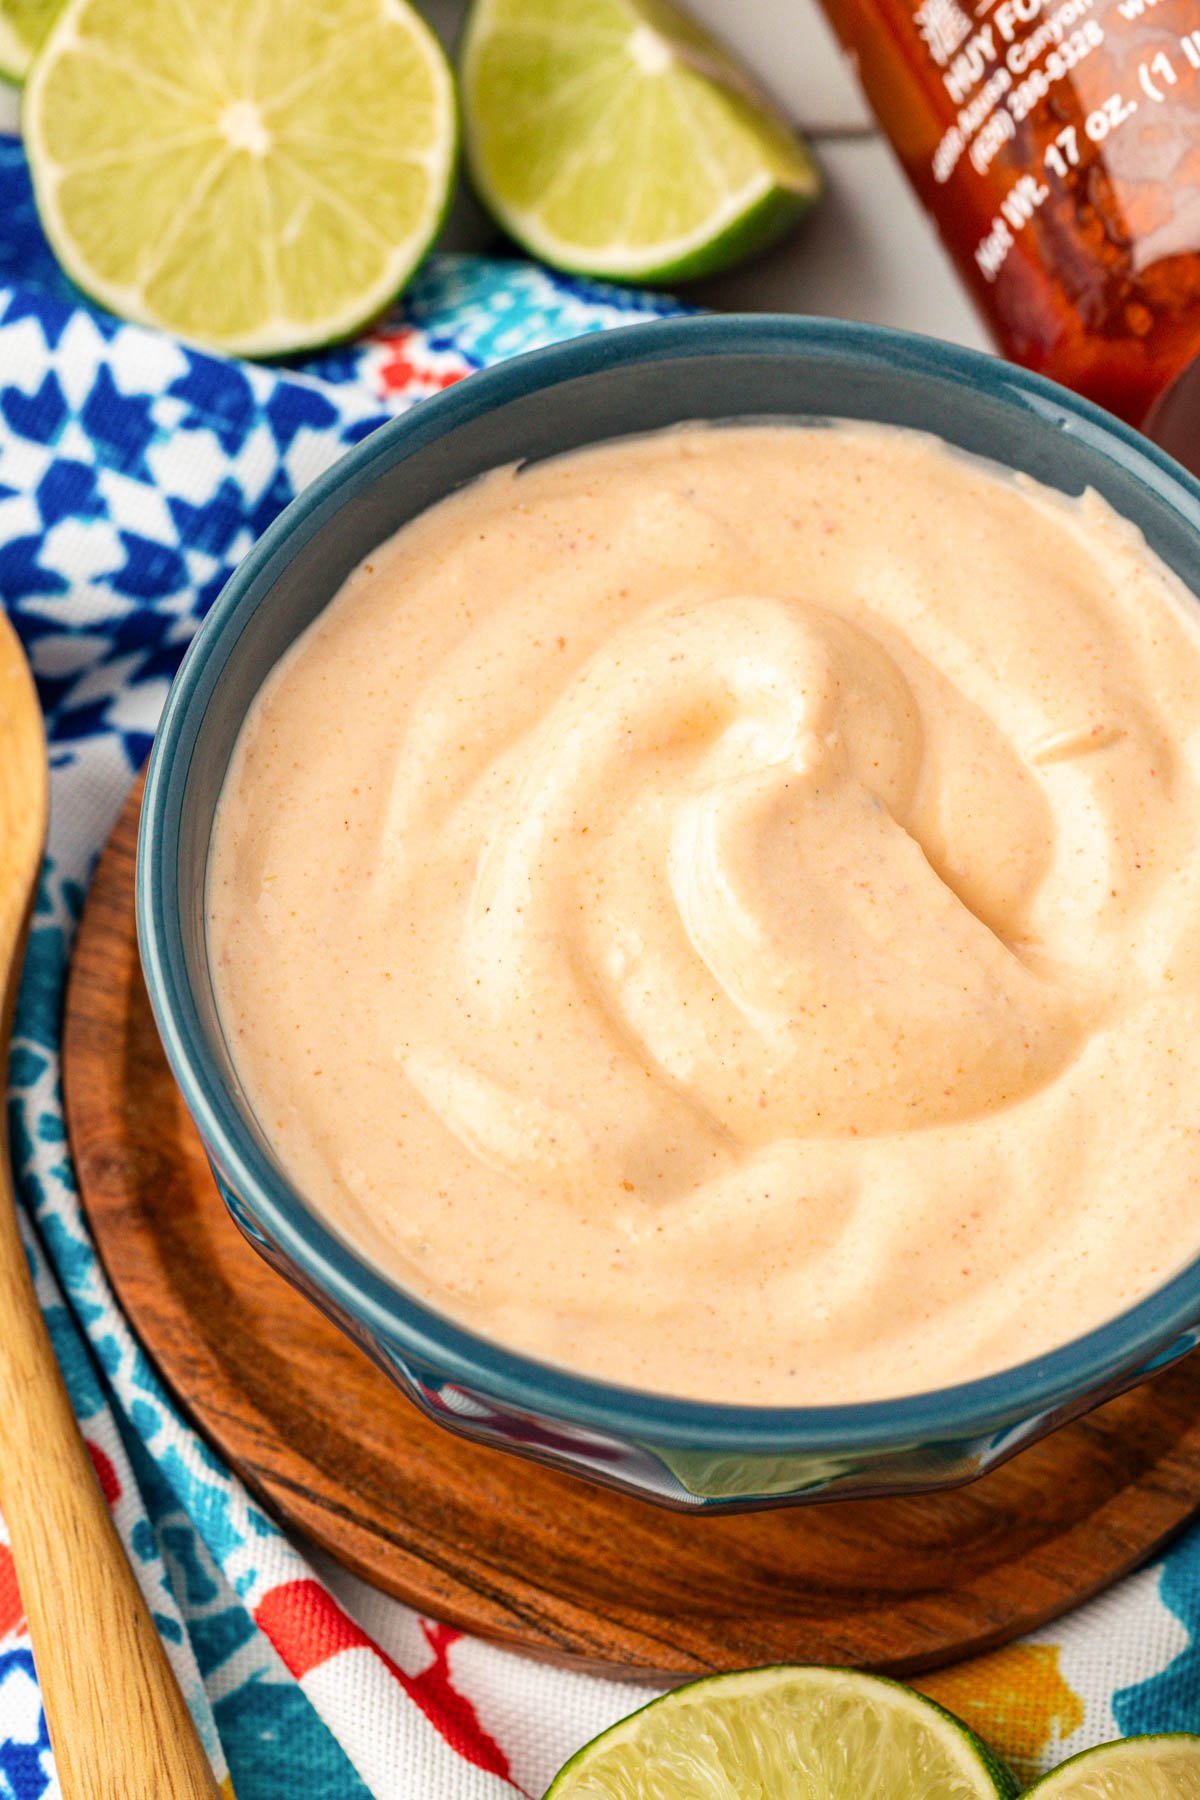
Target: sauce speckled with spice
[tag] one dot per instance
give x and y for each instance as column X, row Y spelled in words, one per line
column 721, row 912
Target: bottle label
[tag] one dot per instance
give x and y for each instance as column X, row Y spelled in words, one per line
column 1071, row 98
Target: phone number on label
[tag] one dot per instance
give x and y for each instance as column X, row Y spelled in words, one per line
column 1033, row 90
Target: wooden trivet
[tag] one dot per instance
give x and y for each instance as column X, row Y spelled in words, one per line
column 514, row 1552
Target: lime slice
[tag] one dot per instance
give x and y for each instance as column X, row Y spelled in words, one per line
column 817, row 1734
column 1140, row 1768
column 23, row 27
column 256, row 175
column 616, row 138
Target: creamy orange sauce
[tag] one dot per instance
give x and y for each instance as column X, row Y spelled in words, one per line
column 721, row 912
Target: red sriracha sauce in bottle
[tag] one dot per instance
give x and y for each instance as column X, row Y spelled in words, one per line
column 1057, row 145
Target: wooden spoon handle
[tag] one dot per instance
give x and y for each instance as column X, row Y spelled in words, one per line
column 119, row 1725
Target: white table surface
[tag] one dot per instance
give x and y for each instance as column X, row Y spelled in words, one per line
column 868, row 253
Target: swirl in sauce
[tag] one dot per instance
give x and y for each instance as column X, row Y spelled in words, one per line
column 720, row 911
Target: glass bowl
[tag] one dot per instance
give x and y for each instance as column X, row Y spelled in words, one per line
column 680, row 1453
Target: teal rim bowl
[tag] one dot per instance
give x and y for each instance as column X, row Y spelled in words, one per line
column 684, row 1452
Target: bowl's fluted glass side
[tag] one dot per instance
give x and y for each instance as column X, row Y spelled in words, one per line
column 689, row 1479
column 696, row 1478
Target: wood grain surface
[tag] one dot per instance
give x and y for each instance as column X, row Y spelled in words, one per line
column 514, row 1552
column 119, row 1726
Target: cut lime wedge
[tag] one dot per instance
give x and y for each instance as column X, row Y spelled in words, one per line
column 23, row 28
column 811, row 1733
column 1166, row 1767
column 616, row 138
column 255, row 175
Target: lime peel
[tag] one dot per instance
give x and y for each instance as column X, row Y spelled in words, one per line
column 653, row 158
column 1161, row 1766
column 826, row 1733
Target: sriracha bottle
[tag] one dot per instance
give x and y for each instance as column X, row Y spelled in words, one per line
column 1057, row 144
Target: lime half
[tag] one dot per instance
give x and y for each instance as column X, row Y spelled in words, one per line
column 256, row 175
column 1140, row 1768
column 23, row 27
column 817, row 1734
column 616, row 138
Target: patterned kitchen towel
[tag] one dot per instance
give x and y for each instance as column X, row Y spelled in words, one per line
column 134, row 473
